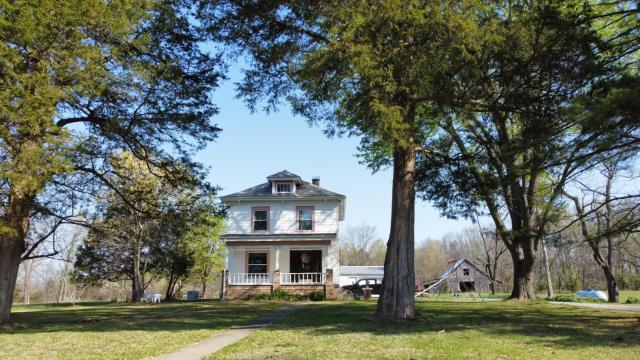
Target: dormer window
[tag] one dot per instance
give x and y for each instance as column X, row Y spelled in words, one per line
column 284, row 187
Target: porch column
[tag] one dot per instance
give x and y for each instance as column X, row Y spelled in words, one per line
column 277, row 258
column 276, row 280
column 329, row 290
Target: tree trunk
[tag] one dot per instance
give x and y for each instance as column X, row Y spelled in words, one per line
column 547, row 270
column 169, row 295
column 396, row 300
column 11, row 248
column 137, row 286
column 26, row 267
column 612, row 285
column 13, row 231
column 523, row 263
column 204, row 288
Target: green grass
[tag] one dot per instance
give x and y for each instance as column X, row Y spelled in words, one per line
column 446, row 330
column 118, row 331
column 625, row 294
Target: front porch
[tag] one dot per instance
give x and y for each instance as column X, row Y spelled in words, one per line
column 242, row 286
column 277, row 277
column 294, row 269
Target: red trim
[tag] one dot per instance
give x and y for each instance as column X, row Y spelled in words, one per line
column 313, row 218
column 253, row 216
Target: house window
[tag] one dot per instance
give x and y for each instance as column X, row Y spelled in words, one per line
column 305, row 218
column 283, row 187
column 465, row 272
column 257, row 263
column 260, row 221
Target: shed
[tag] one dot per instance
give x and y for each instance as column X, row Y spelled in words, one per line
column 351, row 274
column 461, row 276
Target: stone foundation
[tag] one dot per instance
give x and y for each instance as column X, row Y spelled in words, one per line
column 245, row 292
column 302, row 289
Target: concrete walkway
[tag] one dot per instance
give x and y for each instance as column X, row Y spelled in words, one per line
column 209, row 346
column 635, row 308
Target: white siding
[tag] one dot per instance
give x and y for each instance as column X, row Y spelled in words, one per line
column 283, row 217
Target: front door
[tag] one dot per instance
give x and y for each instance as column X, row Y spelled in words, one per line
column 306, row 266
column 305, row 261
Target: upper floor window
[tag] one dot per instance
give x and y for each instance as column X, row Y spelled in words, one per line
column 465, row 271
column 260, row 219
column 305, row 218
column 283, row 187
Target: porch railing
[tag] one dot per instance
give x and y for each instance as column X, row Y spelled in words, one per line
column 250, row 279
column 303, row 278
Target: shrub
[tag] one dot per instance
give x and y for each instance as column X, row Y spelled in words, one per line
column 261, row 297
column 632, row 300
column 565, row 298
column 316, row 296
column 279, row 294
column 574, row 298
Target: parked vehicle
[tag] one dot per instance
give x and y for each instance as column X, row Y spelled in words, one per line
column 356, row 290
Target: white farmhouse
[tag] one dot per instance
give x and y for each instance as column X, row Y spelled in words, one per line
column 282, row 234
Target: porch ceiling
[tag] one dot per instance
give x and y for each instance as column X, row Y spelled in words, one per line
column 277, row 242
column 279, row 237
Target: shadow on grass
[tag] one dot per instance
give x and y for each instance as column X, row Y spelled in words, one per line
column 535, row 323
column 104, row 317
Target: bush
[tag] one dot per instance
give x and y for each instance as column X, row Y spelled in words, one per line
column 565, row 298
column 279, row 294
column 574, row 298
column 261, row 297
column 316, row 296
column 632, row 300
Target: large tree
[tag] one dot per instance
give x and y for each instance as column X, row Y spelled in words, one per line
column 529, row 129
column 361, row 68
column 81, row 79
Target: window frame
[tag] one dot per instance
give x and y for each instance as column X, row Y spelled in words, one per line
column 246, row 260
column 284, row 183
column 267, row 209
column 466, row 271
column 313, row 218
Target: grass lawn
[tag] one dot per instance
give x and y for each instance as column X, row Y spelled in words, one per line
column 446, row 330
column 118, row 331
column 624, row 295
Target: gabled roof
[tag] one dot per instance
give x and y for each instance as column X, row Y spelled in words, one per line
column 285, row 175
column 263, row 192
column 362, row 270
column 456, row 264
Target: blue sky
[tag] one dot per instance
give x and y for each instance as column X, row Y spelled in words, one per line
column 253, row 146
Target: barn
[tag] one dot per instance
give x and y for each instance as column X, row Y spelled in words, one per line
column 461, row 276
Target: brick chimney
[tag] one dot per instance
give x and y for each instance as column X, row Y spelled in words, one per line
column 315, row 180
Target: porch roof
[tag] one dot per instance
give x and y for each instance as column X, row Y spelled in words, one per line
column 279, row 237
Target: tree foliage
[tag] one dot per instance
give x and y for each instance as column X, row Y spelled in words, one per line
column 358, row 68
column 84, row 79
column 528, row 132
column 162, row 236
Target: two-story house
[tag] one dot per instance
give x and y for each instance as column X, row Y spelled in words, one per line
column 282, row 234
